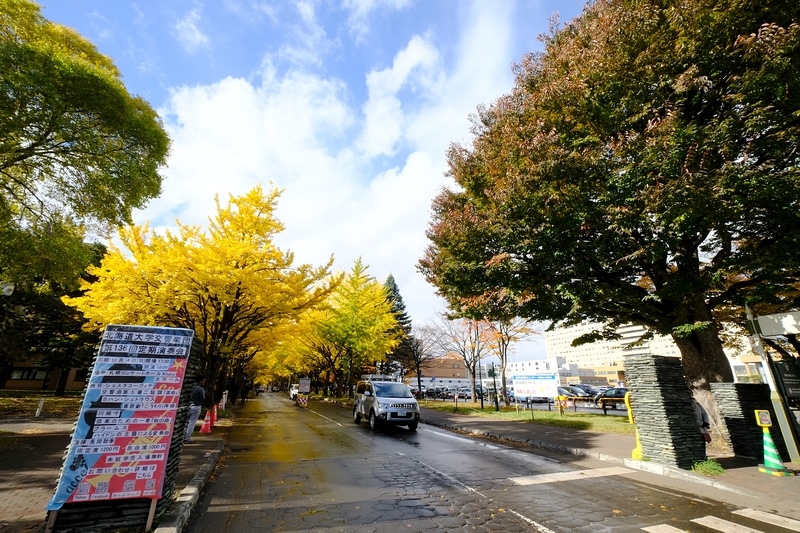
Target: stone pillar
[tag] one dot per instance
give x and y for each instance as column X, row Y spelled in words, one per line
column 737, row 403
column 663, row 411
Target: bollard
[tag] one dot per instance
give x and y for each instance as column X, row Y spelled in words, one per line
column 772, row 458
column 39, row 410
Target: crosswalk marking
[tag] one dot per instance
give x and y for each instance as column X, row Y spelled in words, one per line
column 571, row 476
column 663, row 528
column 718, row 524
column 723, row 525
column 785, row 523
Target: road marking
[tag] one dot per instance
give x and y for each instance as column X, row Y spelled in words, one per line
column 464, row 439
column 325, row 417
column 663, row 529
column 571, row 476
column 723, row 525
column 775, row 520
column 539, row 527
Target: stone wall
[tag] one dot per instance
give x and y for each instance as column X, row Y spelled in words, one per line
column 663, row 411
column 737, row 403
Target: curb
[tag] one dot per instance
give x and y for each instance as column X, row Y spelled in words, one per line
column 181, row 509
column 644, row 466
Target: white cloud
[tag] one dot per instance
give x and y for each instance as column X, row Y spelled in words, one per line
column 361, row 9
column 297, row 130
column 189, row 35
column 414, row 66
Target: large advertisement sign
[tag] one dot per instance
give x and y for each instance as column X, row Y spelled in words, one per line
column 536, row 386
column 120, row 445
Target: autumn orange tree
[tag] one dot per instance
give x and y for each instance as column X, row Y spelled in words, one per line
column 230, row 284
column 643, row 170
column 354, row 329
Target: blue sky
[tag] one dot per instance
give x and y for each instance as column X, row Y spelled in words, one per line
column 349, row 106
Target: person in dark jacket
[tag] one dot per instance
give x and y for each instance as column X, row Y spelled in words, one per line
column 197, row 399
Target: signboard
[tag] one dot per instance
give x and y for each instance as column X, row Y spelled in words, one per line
column 121, row 442
column 763, row 419
column 779, row 324
column 305, row 385
column 540, row 385
column 789, row 377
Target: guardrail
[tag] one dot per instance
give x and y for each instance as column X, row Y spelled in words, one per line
column 604, row 402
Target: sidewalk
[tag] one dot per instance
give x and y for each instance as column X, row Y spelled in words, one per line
column 31, row 460
column 742, row 484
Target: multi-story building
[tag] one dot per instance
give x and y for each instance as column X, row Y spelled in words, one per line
column 606, row 358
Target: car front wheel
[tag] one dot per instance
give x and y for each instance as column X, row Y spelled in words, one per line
column 412, row 426
column 373, row 421
column 356, row 416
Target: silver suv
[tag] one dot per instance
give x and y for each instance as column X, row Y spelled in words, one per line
column 385, row 402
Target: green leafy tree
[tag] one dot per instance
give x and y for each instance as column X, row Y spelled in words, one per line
column 402, row 355
column 39, row 329
column 643, row 170
column 77, row 151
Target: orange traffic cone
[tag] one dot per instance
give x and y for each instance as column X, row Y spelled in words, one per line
column 213, row 416
column 206, row 423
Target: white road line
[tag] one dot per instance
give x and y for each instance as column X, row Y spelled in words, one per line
column 723, row 525
column 775, row 520
column 325, row 417
column 539, row 527
column 663, row 528
column 571, row 476
column 464, row 439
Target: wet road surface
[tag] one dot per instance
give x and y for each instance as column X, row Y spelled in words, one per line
column 312, row 469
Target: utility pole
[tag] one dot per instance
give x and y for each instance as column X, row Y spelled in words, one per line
column 494, row 381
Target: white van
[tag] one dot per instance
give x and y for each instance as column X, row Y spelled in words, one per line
column 385, row 402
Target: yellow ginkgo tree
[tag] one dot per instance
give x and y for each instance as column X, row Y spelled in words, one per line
column 354, row 329
column 230, row 283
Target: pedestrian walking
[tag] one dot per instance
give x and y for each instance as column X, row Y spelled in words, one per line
column 197, row 399
column 703, row 422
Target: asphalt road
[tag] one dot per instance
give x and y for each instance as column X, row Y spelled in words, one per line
column 312, row 469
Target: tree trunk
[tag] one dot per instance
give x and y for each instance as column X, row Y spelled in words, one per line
column 61, row 384
column 704, row 360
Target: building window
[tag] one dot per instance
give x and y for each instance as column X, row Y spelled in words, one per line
column 39, row 374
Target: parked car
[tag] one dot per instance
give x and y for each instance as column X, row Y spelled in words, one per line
column 293, row 390
column 385, row 402
column 464, row 393
column 448, row 392
column 612, row 397
column 562, row 391
column 579, row 392
column 592, row 391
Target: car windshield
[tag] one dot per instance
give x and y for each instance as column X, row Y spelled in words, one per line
column 392, row 390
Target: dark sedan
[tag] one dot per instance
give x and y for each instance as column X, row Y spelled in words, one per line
column 611, row 397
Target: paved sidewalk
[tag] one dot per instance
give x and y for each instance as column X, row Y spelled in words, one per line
column 31, row 459
column 742, row 484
